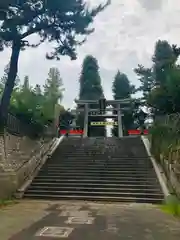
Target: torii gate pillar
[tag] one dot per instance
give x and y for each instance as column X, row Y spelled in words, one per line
column 118, row 108
column 120, row 129
column 86, row 113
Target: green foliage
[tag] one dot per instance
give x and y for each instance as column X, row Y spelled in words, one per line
column 6, row 202
column 90, row 89
column 146, row 78
column 161, row 83
column 35, row 104
column 53, row 91
column 90, row 81
column 172, row 206
column 54, row 21
column 122, row 89
column 121, row 86
column 165, row 142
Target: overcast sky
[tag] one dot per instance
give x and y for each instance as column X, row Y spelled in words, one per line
column 125, row 34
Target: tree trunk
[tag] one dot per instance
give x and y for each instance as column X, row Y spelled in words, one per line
column 13, row 68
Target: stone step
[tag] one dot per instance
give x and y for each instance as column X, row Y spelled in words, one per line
column 94, row 198
column 93, row 189
column 95, row 171
column 73, row 153
column 105, row 156
column 104, row 169
column 104, row 185
column 96, row 167
column 100, row 155
column 100, row 167
column 139, row 181
column 82, row 178
column 107, row 174
column 99, row 193
column 80, row 162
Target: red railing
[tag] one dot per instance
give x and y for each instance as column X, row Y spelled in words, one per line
column 73, row 132
column 137, row 132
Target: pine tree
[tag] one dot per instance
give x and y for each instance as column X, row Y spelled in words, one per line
column 91, row 89
column 90, row 81
column 53, row 90
column 123, row 89
column 54, row 21
column 160, row 83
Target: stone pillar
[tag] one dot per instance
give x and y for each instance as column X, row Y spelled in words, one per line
column 86, row 113
column 120, row 130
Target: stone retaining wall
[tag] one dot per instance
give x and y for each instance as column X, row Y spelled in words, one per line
column 19, row 157
column 171, row 167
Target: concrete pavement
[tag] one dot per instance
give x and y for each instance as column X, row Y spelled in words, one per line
column 45, row 220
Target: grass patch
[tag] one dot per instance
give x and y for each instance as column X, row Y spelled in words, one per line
column 175, row 211
column 6, row 202
column 172, row 206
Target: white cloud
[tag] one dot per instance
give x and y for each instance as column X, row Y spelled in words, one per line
column 125, row 34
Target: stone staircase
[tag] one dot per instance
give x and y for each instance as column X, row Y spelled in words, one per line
column 106, row 169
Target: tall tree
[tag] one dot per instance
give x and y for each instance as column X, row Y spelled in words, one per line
column 90, row 81
column 54, row 21
column 24, row 104
column 160, row 83
column 163, row 60
column 53, row 89
column 122, row 89
column 91, row 89
column 147, row 80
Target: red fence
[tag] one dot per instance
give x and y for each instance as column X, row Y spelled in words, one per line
column 79, row 132
column 137, row 132
column 73, row 132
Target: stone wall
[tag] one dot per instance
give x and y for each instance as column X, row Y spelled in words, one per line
column 171, row 167
column 19, row 157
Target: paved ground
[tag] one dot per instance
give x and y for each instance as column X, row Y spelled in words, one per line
column 36, row 220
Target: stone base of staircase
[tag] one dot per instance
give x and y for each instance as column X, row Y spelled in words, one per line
column 98, row 169
column 13, row 176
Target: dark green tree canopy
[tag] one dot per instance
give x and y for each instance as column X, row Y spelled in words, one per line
column 121, row 86
column 91, row 89
column 160, row 84
column 163, row 60
column 65, row 23
column 57, row 20
column 90, row 81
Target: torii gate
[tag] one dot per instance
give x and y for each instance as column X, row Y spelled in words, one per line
column 84, row 106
